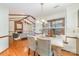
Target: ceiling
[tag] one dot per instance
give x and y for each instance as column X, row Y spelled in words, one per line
column 34, row 9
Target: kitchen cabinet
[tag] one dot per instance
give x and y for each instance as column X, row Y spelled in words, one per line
column 70, row 45
column 71, row 25
column 71, row 22
column 56, row 27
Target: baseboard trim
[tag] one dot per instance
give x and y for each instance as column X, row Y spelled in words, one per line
column 70, row 52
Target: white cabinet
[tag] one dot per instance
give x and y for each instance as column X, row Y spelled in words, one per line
column 71, row 22
column 71, row 46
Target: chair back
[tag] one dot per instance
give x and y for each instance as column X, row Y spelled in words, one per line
column 32, row 43
column 44, row 47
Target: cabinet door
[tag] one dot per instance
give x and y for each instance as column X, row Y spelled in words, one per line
column 71, row 46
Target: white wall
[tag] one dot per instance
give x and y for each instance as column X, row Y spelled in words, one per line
column 56, row 15
column 4, row 28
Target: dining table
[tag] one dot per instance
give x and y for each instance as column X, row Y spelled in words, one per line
column 56, row 43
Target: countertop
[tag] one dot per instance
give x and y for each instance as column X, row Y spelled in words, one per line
column 57, row 41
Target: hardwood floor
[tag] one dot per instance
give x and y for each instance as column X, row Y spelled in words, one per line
column 67, row 53
column 19, row 48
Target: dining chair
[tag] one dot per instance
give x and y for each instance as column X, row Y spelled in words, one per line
column 44, row 47
column 32, row 45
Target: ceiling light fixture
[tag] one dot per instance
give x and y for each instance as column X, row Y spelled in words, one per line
column 42, row 20
column 42, row 13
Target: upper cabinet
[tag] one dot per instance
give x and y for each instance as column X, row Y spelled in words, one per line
column 72, row 21
column 55, row 27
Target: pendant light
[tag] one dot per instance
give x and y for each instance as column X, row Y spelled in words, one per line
column 42, row 20
column 42, row 13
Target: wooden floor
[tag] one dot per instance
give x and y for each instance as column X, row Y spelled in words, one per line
column 19, row 48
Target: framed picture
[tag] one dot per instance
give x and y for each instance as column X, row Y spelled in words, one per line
column 18, row 26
